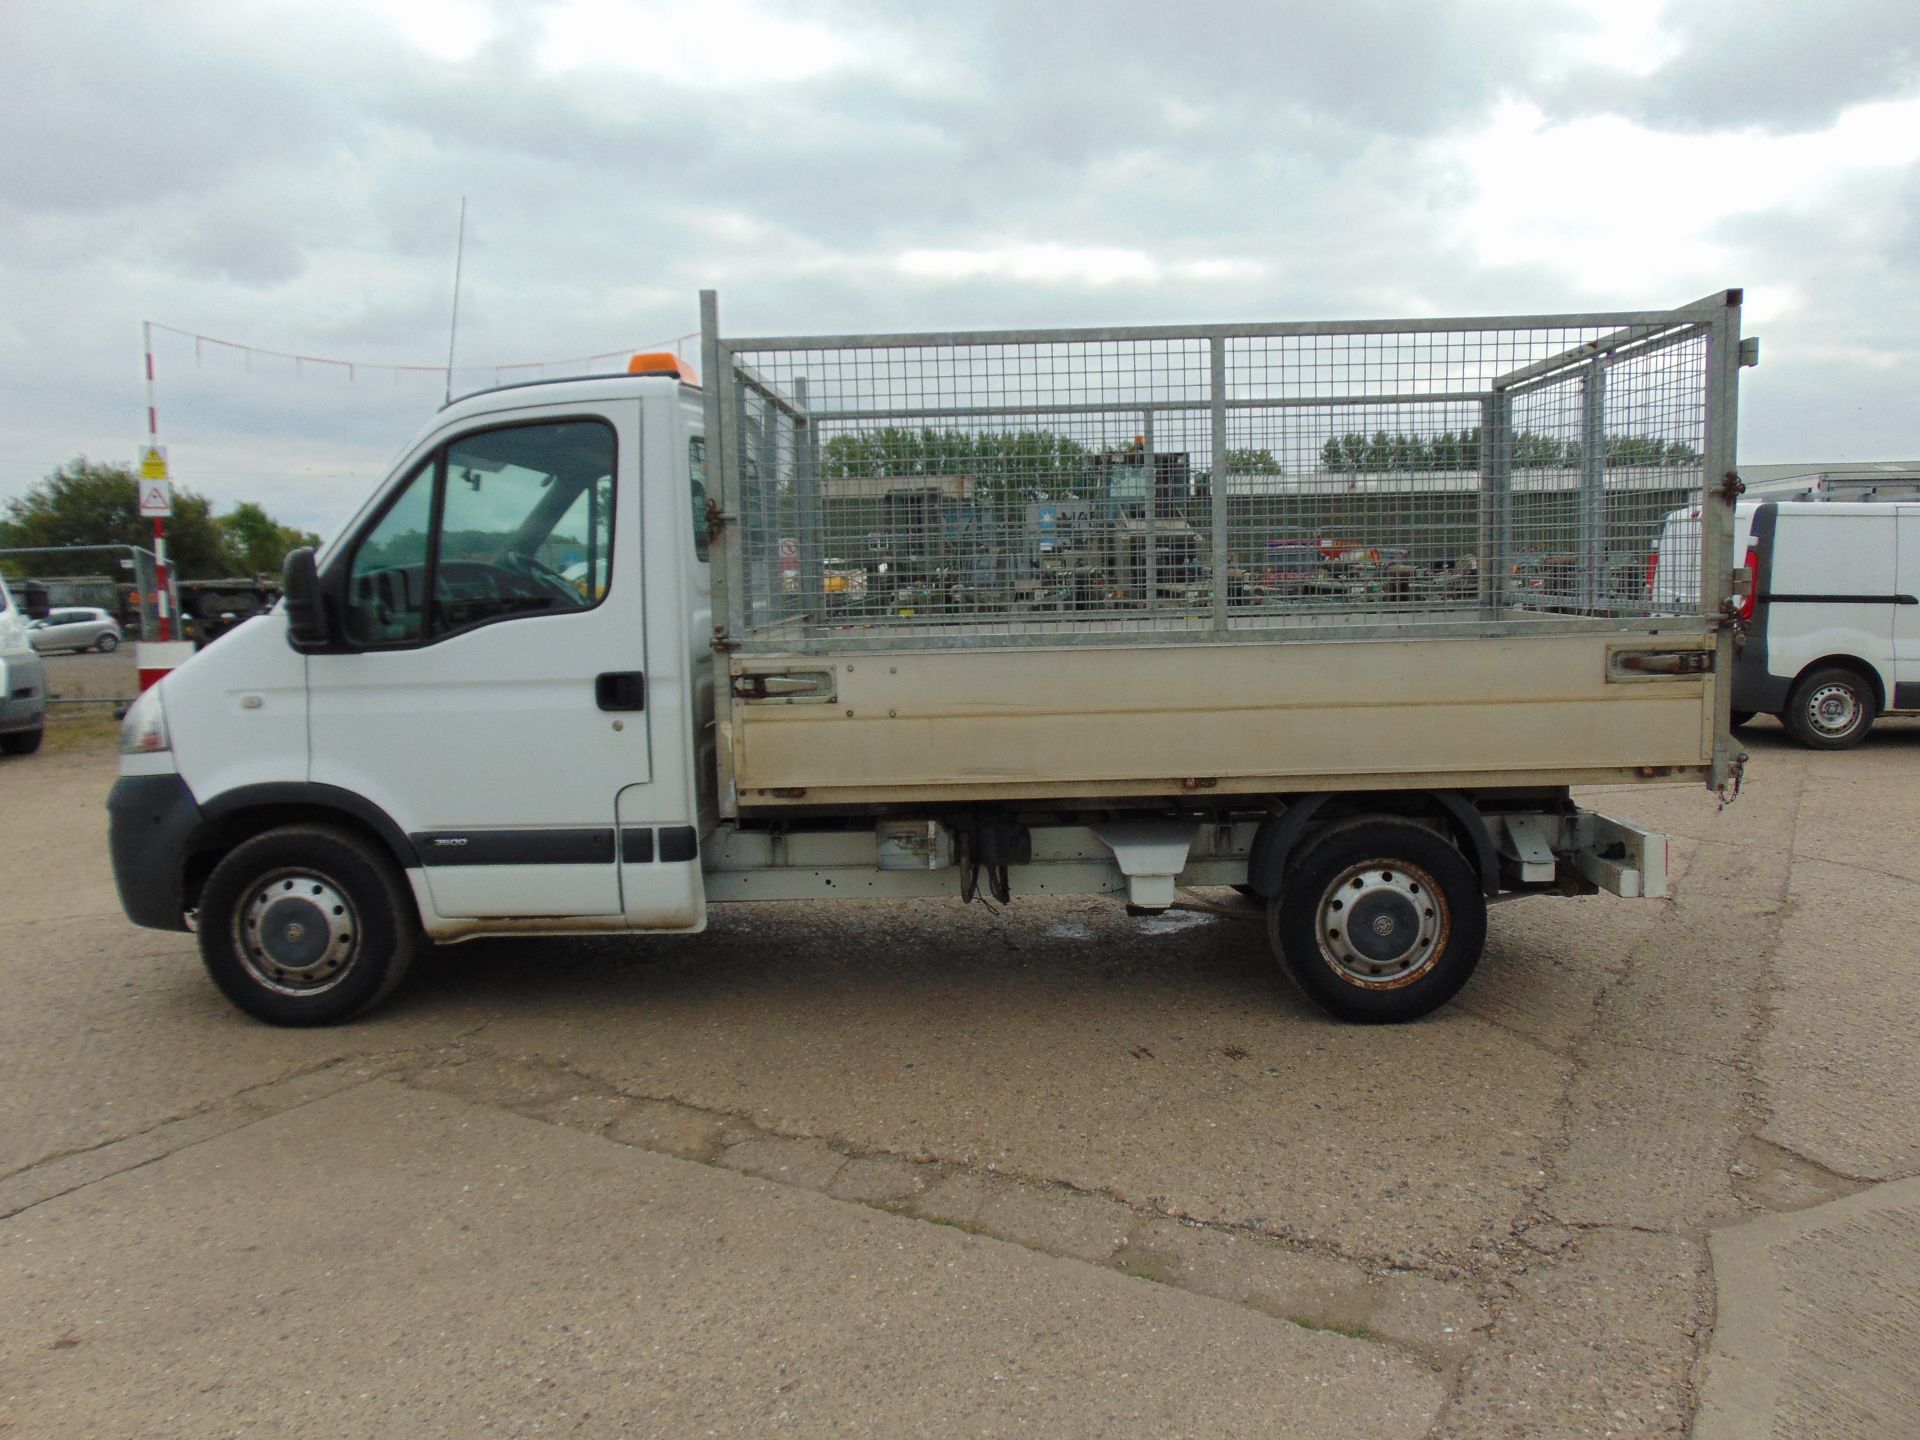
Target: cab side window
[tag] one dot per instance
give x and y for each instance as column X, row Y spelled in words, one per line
column 497, row 524
column 387, row 584
column 697, row 467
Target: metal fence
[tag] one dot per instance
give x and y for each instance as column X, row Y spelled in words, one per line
column 1027, row 487
column 129, row 591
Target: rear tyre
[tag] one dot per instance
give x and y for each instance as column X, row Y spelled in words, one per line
column 23, row 742
column 107, row 644
column 1830, row 709
column 306, row 925
column 1381, row 922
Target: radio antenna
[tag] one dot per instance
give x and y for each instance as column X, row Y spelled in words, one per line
column 453, row 324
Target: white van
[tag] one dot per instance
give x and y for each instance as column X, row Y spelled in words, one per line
column 1832, row 620
column 1833, row 630
column 23, row 689
column 1673, row 571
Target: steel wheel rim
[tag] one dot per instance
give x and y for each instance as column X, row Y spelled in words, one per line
column 296, row 933
column 1834, row 710
column 1381, row 924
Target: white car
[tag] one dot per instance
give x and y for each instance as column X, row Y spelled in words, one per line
column 75, row 627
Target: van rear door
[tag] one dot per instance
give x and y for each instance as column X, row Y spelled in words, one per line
column 1906, row 614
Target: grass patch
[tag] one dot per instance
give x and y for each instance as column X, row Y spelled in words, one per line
column 1353, row 1330
column 1146, row 1267
column 81, row 730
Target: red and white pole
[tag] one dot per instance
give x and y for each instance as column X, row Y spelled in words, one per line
column 163, row 591
column 156, row 659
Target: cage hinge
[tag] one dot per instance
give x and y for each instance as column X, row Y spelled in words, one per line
column 1732, row 487
column 1730, row 618
column 717, row 519
column 722, row 641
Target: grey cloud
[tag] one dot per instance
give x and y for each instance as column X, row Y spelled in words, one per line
column 1778, row 68
column 127, row 105
column 1394, row 68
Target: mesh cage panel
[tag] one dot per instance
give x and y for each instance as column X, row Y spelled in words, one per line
column 959, row 490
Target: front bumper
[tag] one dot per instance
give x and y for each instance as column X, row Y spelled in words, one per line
column 151, row 822
column 23, row 693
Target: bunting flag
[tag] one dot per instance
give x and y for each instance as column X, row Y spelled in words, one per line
column 355, row 369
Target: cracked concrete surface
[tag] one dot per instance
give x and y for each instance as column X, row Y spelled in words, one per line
column 1157, row 1193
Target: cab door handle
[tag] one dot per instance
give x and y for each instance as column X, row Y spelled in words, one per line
column 620, row 690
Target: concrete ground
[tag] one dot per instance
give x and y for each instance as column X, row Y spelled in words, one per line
column 919, row 1169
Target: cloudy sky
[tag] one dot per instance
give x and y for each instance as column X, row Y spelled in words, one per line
column 288, row 177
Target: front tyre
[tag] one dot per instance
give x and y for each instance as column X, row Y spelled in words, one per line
column 1830, row 709
column 306, row 925
column 1380, row 922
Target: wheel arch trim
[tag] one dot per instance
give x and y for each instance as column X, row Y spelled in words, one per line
column 1279, row 835
column 1865, row 669
column 306, row 798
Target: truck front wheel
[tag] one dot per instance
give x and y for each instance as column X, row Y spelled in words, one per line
column 1380, row 922
column 306, row 925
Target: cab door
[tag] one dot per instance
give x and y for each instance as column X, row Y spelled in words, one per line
column 487, row 687
column 661, row 822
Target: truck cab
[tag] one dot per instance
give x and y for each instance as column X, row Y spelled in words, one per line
column 494, row 683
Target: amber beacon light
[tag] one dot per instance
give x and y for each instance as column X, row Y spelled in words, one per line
column 662, row 362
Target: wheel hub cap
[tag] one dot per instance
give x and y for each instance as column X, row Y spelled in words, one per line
column 298, row 933
column 1382, row 925
column 1833, row 709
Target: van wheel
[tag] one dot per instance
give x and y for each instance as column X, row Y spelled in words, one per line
column 306, row 925
column 1380, row 922
column 1830, row 709
column 23, row 742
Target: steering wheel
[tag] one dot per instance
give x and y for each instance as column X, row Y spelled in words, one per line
column 534, row 566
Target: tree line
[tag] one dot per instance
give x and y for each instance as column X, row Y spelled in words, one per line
column 85, row 503
column 1026, row 455
column 1382, row 452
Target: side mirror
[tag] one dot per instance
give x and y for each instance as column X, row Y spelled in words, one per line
column 307, row 627
column 35, row 600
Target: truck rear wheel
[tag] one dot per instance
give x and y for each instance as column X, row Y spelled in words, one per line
column 306, row 925
column 1380, row 922
column 1830, row 709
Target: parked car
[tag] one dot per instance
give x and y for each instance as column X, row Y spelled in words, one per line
column 75, row 627
column 23, row 690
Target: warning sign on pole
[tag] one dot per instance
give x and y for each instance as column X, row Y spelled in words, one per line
column 156, row 498
column 153, row 462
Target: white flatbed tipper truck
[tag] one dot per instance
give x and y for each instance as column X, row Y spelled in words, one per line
column 1333, row 613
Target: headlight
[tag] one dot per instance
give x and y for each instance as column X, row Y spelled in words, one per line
column 144, row 731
